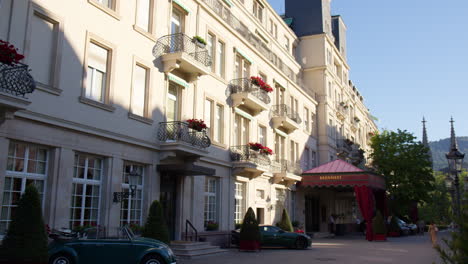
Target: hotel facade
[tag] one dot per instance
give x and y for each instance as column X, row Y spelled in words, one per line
column 117, row 81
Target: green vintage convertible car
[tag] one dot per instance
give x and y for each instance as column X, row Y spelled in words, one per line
column 89, row 247
column 272, row 236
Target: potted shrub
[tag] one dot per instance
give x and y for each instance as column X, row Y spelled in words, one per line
column 155, row 226
column 199, row 41
column 285, row 222
column 211, row 226
column 26, row 238
column 9, row 54
column 250, row 232
column 380, row 229
column 196, row 124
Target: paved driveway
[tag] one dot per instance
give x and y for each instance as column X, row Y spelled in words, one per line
column 347, row 250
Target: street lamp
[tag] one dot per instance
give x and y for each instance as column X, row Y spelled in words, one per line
column 133, row 176
column 455, row 160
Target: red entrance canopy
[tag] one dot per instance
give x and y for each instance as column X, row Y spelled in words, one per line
column 340, row 173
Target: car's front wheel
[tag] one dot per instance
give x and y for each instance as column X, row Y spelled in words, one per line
column 153, row 259
column 60, row 259
column 301, row 243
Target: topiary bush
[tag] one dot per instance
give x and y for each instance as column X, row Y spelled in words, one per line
column 249, row 230
column 285, row 222
column 26, row 239
column 155, row 226
column 378, row 224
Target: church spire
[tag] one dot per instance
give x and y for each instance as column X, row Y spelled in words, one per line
column 453, row 139
column 425, row 142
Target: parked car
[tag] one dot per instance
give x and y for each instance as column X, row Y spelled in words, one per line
column 272, row 236
column 405, row 228
column 88, row 248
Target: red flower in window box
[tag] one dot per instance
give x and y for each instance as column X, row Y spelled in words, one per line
column 9, row 54
column 196, row 124
column 256, row 146
column 266, row 151
column 255, row 80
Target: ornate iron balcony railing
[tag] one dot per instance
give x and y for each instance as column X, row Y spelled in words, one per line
column 245, row 154
column 285, row 110
column 179, row 131
column 182, row 43
column 289, row 166
column 16, row 80
column 345, row 145
column 245, row 85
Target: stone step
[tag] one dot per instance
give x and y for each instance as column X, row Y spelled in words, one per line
column 190, row 249
column 199, row 253
column 188, row 245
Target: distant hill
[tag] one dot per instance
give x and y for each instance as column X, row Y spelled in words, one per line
column 441, row 147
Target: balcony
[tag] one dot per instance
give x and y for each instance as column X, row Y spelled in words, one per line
column 244, row 93
column 341, row 110
column 248, row 162
column 179, row 141
column 15, row 83
column 286, row 172
column 182, row 53
column 344, row 147
column 284, row 117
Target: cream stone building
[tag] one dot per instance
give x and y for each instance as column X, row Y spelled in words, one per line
column 116, row 82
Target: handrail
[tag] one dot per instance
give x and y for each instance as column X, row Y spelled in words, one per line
column 290, row 166
column 15, row 79
column 180, row 42
column 245, row 85
column 180, row 131
column 187, row 225
column 245, row 154
column 285, row 110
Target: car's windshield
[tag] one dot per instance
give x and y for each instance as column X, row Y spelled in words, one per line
column 130, row 233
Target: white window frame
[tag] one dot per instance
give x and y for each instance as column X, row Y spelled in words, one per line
column 211, row 213
column 135, row 199
column 150, row 28
column 239, row 200
column 146, row 88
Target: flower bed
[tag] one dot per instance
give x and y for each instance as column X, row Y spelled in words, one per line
column 261, row 83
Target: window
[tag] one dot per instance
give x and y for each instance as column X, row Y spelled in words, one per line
column 279, row 95
column 214, row 120
column 258, row 10
column 211, row 193
column 44, row 47
column 97, row 74
column 306, row 159
column 173, row 102
column 139, row 104
column 313, row 124
column 294, row 105
column 262, row 135
column 239, row 203
column 260, row 194
column 87, row 175
column 177, row 21
column 263, row 76
column 106, row 3
column 241, row 130
column 286, row 43
column 26, row 164
column 144, row 16
column 210, row 47
column 279, row 147
column 276, row 31
column 220, row 58
column 271, row 27
column 131, row 208
column 241, row 68
column 314, row 159
column 306, row 119
column 294, row 151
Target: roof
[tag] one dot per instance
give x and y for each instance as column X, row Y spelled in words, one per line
column 336, row 166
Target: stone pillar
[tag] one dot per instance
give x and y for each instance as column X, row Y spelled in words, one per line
column 61, row 189
column 111, row 182
column 4, row 143
column 198, row 202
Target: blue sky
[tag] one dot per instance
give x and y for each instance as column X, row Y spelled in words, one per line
column 409, row 58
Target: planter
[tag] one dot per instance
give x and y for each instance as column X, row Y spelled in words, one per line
column 200, row 45
column 249, row 245
column 380, row 237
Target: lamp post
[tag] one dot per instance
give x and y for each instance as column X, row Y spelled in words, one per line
column 455, row 160
column 133, row 176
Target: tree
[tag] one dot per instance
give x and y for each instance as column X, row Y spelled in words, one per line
column 457, row 246
column 26, row 239
column 155, row 226
column 249, row 230
column 406, row 166
column 285, row 222
column 437, row 208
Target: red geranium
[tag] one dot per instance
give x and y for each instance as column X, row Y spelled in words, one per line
column 266, row 151
column 261, row 83
column 196, row 124
column 255, row 146
column 9, row 54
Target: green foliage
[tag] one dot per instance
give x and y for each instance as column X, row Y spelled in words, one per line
column 457, row 246
column 378, row 224
column 406, row 166
column 285, row 222
column 26, row 239
column 437, row 208
column 296, row 223
column 249, row 230
column 155, row 226
column 199, row 40
column 441, row 147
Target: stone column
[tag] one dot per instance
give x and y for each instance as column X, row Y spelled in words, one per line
column 4, row 143
column 111, row 182
column 61, row 189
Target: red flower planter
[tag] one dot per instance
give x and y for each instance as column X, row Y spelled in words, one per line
column 250, row 245
column 380, row 237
